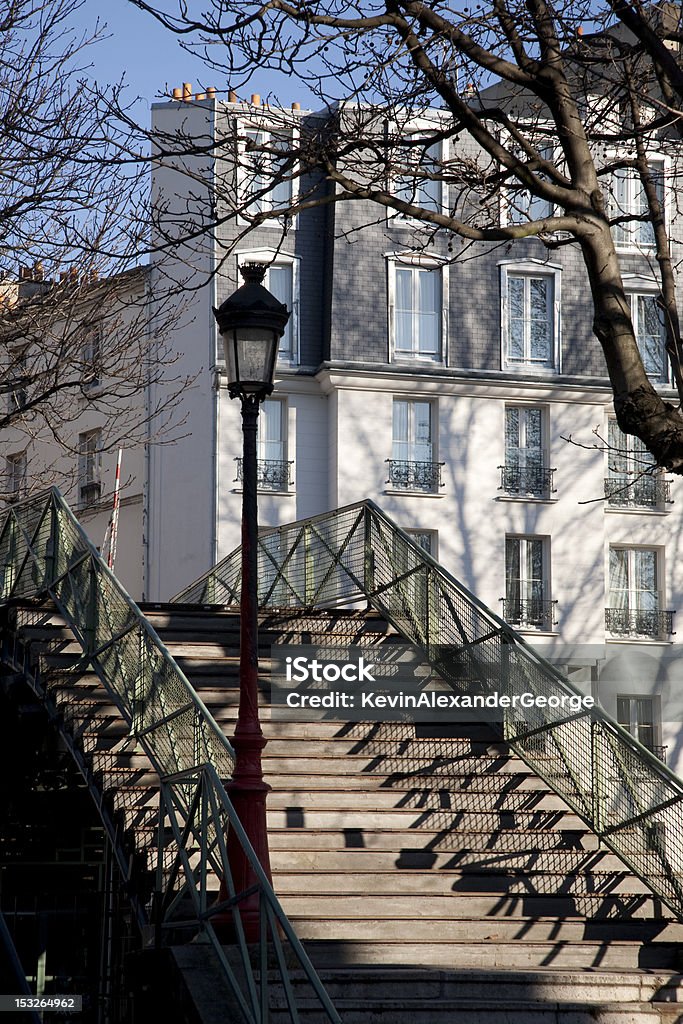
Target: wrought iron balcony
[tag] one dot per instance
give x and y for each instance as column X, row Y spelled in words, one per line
column 531, row 481
column 271, row 474
column 637, row 490
column 532, row 613
column 636, row 622
column 414, row 476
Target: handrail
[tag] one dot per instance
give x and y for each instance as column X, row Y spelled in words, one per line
column 44, row 551
column 618, row 787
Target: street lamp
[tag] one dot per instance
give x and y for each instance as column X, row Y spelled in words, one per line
column 251, row 322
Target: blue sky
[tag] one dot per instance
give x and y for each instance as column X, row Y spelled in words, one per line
column 151, row 58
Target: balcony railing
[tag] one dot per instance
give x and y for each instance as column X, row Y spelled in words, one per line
column 532, row 613
column 637, row 490
column 634, row 622
column 90, row 492
column 414, row 476
column 530, row 481
column 271, row 474
column 659, row 752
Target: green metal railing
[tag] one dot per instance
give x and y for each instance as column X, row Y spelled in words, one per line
column 45, row 553
column 631, row 800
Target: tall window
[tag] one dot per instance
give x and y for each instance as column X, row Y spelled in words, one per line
column 412, row 465
column 420, row 184
column 417, row 311
column 649, row 330
column 530, row 330
column 92, row 356
column 15, row 467
column 631, row 476
column 280, row 281
column 637, row 716
column 260, row 168
column 635, row 604
column 522, row 205
column 628, row 199
column 273, row 469
column 527, row 600
column 525, row 472
column 90, row 467
column 17, row 374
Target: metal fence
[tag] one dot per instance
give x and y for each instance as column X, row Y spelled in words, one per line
column 45, row 553
column 632, row 801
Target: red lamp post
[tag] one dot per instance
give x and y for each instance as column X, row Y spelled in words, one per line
column 251, row 322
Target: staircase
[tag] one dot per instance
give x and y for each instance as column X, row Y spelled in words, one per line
column 432, row 877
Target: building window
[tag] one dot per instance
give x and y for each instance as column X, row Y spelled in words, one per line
column 641, row 717
column 635, row 604
column 272, row 468
column 522, row 205
column 92, row 356
column 648, row 326
column 266, row 178
column 627, row 199
column 425, row 539
column 633, row 481
column 530, row 320
column 17, row 375
column 15, row 467
column 419, row 180
column 282, row 279
column 525, row 473
column 527, row 603
column 417, row 312
column 90, row 467
column 413, row 466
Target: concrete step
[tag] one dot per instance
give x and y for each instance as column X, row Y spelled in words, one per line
column 327, row 798
column 614, row 955
column 419, row 849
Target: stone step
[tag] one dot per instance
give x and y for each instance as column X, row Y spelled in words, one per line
column 519, row 953
column 467, row 1011
column 414, row 849
column 378, row 799
column 507, row 883
column 496, row 916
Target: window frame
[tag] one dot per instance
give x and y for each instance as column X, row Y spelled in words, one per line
column 510, row 215
column 17, row 485
column 256, row 123
column 631, row 454
column 635, row 286
column 87, row 482
column 91, row 355
column 276, row 258
column 414, row 488
column 401, row 219
column 547, row 618
column 410, row 261
column 628, row 243
column 542, row 493
column 531, row 269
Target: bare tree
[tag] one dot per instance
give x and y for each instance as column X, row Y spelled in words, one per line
column 551, row 110
column 75, row 336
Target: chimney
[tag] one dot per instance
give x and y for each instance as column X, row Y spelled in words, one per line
column 296, row 106
column 187, row 91
column 38, row 271
column 211, row 92
column 255, row 99
column 177, row 93
column 200, row 95
column 232, row 96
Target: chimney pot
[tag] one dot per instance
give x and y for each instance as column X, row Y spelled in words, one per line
column 211, row 92
column 296, row 106
column 177, row 93
column 255, row 99
column 187, row 91
column 200, row 95
column 232, row 96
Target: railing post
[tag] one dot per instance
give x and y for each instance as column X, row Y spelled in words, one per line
column 309, row 580
column 368, row 556
column 51, row 548
column 596, row 777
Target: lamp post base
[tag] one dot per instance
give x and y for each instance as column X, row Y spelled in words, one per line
column 248, row 793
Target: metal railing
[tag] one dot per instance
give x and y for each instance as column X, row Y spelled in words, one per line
column 45, row 553
column 414, row 476
column 271, row 474
column 637, row 490
column 635, row 622
column 529, row 613
column 617, row 786
column 532, row 481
